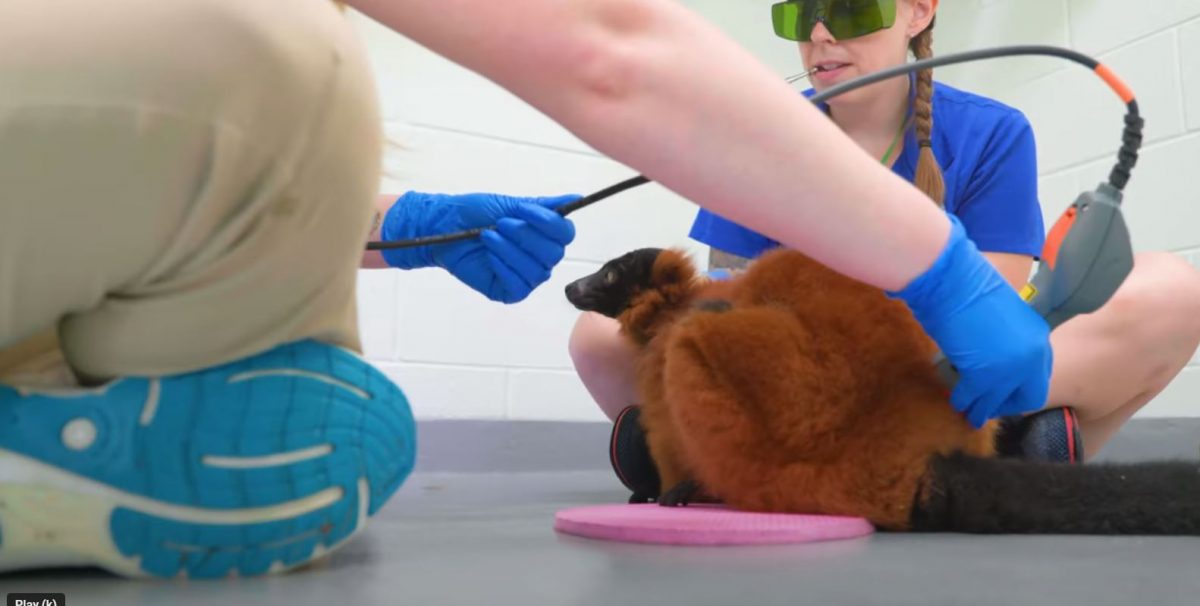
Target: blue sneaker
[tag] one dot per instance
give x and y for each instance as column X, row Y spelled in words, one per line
column 254, row 467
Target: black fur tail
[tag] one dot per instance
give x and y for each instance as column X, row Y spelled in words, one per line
column 1007, row 496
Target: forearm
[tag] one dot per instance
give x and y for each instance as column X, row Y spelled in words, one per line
column 373, row 259
column 1015, row 268
column 716, row 126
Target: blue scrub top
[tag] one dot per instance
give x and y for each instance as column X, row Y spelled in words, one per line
column 989, row 161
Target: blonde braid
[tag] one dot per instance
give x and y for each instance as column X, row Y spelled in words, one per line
column 929, row 174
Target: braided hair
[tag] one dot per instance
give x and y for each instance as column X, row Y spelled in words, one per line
column 929, row 174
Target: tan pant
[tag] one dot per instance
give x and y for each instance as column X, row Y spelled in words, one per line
column 182, row 182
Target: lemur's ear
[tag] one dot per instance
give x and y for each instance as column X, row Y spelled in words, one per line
column 673, row 266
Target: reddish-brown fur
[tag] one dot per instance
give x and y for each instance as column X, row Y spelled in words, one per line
column 814, row 394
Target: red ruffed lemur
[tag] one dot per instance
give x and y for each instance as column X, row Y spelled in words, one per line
column 793, row 388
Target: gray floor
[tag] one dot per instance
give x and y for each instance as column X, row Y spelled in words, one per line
column 480, row 539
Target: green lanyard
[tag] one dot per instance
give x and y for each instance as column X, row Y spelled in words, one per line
column 896, row 141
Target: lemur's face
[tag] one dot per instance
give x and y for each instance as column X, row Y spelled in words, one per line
column 611, row 290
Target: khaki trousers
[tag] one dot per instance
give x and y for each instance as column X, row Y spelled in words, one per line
column 182, row 182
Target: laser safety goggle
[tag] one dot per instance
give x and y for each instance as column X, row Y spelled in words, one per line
column 845, row 19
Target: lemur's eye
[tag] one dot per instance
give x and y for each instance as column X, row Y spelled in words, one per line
column 610, row 277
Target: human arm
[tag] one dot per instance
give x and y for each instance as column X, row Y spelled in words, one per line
column 1015, row 268
column 720, row 129
column 373, row 259
column 612, row 71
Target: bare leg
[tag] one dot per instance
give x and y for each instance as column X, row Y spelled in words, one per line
column 604, row 362
column 1110, row 364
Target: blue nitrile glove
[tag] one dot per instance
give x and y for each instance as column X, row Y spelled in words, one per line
column 998, row 343
column 506, row 263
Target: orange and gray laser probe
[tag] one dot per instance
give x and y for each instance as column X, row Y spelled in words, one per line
column 1087, row 254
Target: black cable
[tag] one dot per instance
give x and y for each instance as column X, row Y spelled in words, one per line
column 1131, row 142
column 563, row 210
column 963, row 57
column 1119, row 177
column 1132, row 135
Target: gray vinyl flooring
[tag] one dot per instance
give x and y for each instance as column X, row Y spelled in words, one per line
column 488, row 539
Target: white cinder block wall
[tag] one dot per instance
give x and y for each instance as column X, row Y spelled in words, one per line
column 1155, row 47
column 460, row 356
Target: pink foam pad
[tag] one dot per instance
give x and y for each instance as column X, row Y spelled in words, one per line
column 704, row 525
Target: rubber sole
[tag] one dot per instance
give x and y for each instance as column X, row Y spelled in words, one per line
column 630, row 457
column 254, row 467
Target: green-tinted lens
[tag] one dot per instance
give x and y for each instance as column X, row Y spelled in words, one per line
column 785, row 16
column 853, row 18
column 845, row 19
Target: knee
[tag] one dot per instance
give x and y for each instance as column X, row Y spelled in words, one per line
column 1159, row 302
column 593, row 338
column 605, row 363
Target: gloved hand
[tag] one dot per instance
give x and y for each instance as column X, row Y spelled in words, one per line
column 998, row 343
column 506, row 263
